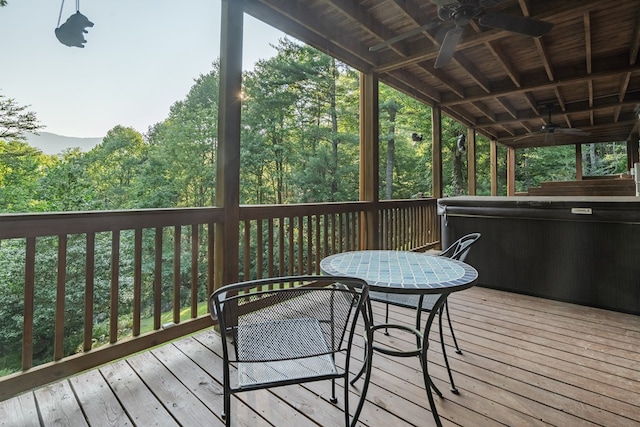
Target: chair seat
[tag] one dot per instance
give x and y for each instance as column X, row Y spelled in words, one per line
column 290, row 339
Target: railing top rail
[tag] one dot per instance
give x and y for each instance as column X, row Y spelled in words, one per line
column 50, row 224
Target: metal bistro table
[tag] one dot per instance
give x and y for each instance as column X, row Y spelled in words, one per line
column 404, row 272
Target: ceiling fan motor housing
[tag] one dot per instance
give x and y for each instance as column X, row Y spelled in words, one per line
column 459, row 12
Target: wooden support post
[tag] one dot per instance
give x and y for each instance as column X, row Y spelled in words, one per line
column 633, row 155
column 578, row 162
column 511, row 171
column 471, row 162
column 436, row 154
column 369, row 159
column 227, row 233
column 493, row 156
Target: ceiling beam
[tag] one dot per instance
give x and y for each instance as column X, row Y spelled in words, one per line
column 601, row 133
column 602, row 104
column 635, row 42
column 543, row 84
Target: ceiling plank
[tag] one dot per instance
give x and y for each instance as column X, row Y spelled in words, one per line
column 473, row 71
column 498, row 53
column 362, row 17
column 292, row 22
column 567, row 11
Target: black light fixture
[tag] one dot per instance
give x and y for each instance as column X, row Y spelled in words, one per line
column 415, row 137
column 461, row 144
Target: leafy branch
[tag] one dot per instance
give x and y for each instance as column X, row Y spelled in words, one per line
column 14, row 120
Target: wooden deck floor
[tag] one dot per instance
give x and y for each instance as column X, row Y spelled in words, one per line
column 525, row 362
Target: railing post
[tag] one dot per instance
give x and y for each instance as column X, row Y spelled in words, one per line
column 436, row 152
column 493, row 150
column 471, row 162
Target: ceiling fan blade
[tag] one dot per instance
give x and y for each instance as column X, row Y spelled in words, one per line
column 491, row 3
column 527, row 135
column 448, row 47
column 517, row 24
column 403, row 36
column 573, row 131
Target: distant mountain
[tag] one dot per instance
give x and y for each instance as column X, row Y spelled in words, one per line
column 50, row 143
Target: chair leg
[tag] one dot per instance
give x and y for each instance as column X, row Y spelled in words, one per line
column 346, row 400
column 226, row 414
column 333, row 399
column 453, row 335
column 386, row 318
column 453, row 388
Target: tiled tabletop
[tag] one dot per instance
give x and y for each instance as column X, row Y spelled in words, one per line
column 401, row 271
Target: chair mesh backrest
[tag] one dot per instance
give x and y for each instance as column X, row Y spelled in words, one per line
column 262, row 315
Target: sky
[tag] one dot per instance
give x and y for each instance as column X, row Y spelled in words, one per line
column 141, row 56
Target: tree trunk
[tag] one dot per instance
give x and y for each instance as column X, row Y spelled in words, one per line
column 391, row 149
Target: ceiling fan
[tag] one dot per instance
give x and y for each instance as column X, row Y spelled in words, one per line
column 550, row 129
column 460, row 13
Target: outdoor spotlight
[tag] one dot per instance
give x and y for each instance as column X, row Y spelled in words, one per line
column 415, row 137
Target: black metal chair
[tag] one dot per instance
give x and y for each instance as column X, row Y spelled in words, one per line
column 288, row 330
column 458, row 250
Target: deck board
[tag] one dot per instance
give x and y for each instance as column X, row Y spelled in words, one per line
column 526, row 361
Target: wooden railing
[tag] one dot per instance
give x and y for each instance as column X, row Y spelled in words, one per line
column 120, row 282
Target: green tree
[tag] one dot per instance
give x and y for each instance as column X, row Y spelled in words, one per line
column 181, row 169
column 21, row 167
column 66, row 186
column 292, row 134
column 113, row 166
column 15, row 121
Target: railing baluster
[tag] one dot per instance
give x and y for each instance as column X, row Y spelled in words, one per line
column 137, row 282
column 157, row 280
column 115, row 286
column 271, row 237
column 58, row 343
column 247, row 250
column 88, row 293
column 291, row 221
column 309, row 234
column 318, row 243
column 281, row 251
column 194, row 269
column 301, row 245
column 259, row 257
column 177, row 251
column 29, row 287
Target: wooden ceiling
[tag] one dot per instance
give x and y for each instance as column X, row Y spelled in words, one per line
column 498, row 82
